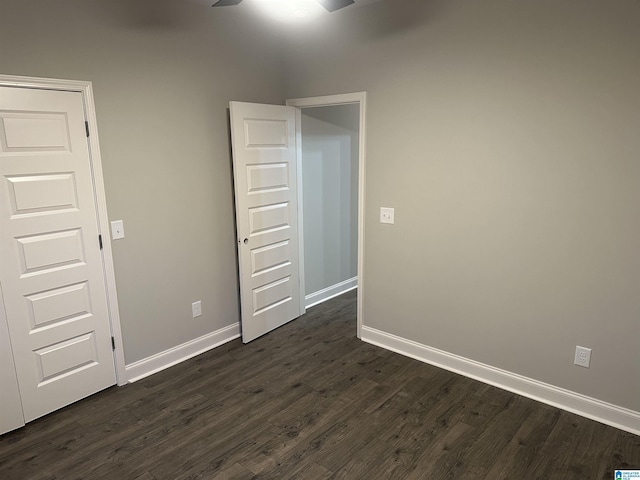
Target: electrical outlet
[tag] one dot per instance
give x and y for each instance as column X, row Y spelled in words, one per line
column 387, row 215
column 583, row 356
column 196, row 308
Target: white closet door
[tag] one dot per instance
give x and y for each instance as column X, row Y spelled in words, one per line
column 52, row 273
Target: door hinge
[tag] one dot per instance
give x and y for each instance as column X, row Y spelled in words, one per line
column 113, row 343
column 86, row 127
column 100, row 241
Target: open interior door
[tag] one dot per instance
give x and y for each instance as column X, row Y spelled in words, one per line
column 264, row 165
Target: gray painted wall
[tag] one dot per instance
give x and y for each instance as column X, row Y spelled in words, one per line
column 506, row 136
column 330, row 195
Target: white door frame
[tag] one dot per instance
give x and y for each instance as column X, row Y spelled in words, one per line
column 100, row 199
column 327, row 101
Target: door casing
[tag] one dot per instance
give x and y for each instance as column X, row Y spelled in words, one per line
column 85, row 88
column 359, row 98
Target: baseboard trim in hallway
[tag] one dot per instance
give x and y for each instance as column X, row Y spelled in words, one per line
column 328, row 293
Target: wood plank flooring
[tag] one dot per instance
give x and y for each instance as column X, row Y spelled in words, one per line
column 310, row 401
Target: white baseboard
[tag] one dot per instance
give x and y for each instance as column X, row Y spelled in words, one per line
column 594, row 409
column 155, row 363
column 333, row 291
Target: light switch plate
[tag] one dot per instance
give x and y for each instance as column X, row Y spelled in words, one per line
column 387, row 215
column 196, row 308
column 117, row 229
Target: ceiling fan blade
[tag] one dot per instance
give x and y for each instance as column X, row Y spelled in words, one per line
column 333, row 5
column 226, row 3
column 329, row 5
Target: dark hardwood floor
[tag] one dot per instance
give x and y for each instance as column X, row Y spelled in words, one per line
column 310, row 401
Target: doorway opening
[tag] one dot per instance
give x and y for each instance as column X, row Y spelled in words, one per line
column 331, row 168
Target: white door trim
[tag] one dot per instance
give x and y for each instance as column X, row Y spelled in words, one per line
column 327, row 101
column 303, row 290
column 98, row 187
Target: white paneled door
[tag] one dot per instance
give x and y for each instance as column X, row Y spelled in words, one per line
column 264, row 164
column 51, row 272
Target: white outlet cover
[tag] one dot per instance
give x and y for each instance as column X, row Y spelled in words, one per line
column 117, row 229
column 387, row 215
column 583, row 357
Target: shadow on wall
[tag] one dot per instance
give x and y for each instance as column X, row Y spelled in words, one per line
column 391, row 17
column 154, row 14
